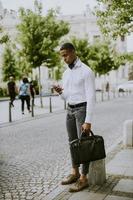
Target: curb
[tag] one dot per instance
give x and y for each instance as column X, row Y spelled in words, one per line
column 61, row 192
column 39, row 116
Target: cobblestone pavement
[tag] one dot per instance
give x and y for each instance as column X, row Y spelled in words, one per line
column 34, row 154
column 112, row 189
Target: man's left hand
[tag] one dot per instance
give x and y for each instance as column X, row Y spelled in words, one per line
column 86, row 127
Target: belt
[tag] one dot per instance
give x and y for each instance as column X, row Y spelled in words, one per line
column 77, row 105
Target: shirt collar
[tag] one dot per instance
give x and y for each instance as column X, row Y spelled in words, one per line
column 77, row 63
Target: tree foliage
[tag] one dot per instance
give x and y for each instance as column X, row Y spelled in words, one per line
column 3, row 36
column 8, row 65
column 104, row 58
column 99, row 56
column 39, row 36
column 116, row 17
column 82, row 49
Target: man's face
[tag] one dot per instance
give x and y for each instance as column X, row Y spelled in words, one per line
column 68, row 55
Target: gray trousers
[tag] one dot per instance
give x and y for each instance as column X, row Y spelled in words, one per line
column 74, row 120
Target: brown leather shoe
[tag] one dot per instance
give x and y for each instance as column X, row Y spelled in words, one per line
column 70, row 179
column 79, row 185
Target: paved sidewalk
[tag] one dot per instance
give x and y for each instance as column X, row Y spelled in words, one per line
column 57, row 104
column 33, row 161
column 118, row 185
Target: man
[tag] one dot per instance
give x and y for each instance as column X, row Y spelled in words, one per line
column 11, row 89
column 79, row 92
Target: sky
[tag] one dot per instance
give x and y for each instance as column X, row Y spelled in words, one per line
column 67, row 7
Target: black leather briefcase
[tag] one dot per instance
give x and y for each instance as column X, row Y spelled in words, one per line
column 88, row 148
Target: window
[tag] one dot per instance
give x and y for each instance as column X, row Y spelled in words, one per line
column 96, row 37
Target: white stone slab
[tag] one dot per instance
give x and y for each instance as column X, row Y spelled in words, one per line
column 122, row 163
column 117, row 198
column 84, row 195
column 129, row 172
column 115, row 170
column 124, row 185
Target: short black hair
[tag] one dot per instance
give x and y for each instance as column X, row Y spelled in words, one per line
column 25, row 80
column 67, row 46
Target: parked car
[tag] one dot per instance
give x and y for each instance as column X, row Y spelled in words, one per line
column 126, row 86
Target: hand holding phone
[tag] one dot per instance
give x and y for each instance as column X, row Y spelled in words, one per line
column 57, row 88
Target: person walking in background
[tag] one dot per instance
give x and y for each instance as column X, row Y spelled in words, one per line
column 32, row 91
column 12, row 89
column 24, row 94
column 78, row 90
column 107, row 87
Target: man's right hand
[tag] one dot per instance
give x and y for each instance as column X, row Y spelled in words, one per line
column 58, row 89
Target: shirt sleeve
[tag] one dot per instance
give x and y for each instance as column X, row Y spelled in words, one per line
column 63, row 96
column 90, row 95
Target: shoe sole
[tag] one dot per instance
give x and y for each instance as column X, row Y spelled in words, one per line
column 67, row 183
column 78, row 190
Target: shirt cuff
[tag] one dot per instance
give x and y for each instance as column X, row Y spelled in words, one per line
column 88, row 119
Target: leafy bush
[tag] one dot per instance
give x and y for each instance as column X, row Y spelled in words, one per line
column 3, row 92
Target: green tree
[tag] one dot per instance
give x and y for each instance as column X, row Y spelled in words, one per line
column 39, row 37
column 128, row 58
column 116, row 18
column 8, row 65
column 3, row 36
column 104, row 58
column 22, row 64
column 82, row 48
column 99, row 55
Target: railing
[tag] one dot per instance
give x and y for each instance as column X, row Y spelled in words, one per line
column 100, row 97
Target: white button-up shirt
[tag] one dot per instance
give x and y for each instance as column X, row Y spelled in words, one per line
column 79, row 86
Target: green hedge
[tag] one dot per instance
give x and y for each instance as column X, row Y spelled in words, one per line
column 3, row 92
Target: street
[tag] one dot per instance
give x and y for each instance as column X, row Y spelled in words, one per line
column 57, row 104
column 34, row 154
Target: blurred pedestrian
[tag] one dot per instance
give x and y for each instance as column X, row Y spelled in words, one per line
column 107, row 87
column 32, row 92
column 12, row 89
column 24, row 94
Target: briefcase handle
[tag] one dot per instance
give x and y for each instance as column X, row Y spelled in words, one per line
column 83, row 134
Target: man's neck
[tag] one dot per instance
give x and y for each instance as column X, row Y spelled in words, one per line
column 72, row 64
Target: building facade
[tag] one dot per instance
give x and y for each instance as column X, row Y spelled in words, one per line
column 85, row 26
column 81, row 26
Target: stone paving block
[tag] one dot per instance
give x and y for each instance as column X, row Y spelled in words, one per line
column 129, row 172
column 110, row 197
column 55, row 192
column 115, row 170
column 87, row 196
column 123, row 159
column 124, row 185
column 121, row 164
column 125, row 154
